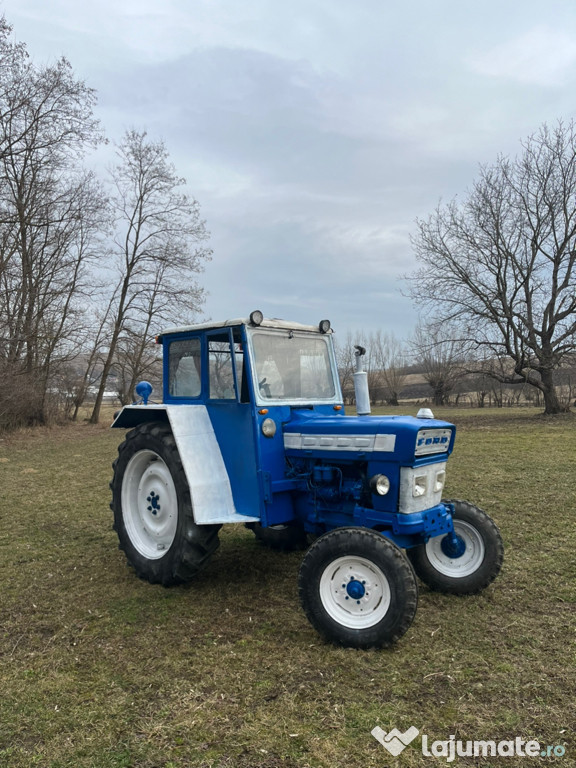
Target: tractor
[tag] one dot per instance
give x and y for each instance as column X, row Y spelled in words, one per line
column 252, row 430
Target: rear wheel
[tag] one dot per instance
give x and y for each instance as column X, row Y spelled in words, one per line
column 152, row 508
column 357, row 588
column 464, row 563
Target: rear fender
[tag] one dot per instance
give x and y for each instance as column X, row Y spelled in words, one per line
column 200, row 454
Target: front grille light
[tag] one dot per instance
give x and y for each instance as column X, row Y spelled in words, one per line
column 420, row 485
column 439, row 481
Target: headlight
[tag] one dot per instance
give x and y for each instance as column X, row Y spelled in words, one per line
column 420, row 485
column 268, row 427
column 380, row 484
column 256, row 317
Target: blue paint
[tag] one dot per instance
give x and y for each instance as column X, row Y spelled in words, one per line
column 144, row 389
column 453, row 546
column 153, row 501
column 323, row 484
column 355, row 589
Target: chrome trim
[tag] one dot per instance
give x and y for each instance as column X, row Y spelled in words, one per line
column 355, row 443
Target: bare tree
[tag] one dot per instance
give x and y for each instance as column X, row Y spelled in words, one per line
column 346, row 363
column 384, row 363
column 159, row 246
column 136, row 359
column 440, row 359
column 390, row 364
column 370, row 363
column 87, row 363
column 480, row 385
column 502, row 263
column 567, row 381
column 51, row 213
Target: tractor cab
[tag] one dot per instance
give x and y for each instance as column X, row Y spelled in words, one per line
column 271, row 363
column 245, row 378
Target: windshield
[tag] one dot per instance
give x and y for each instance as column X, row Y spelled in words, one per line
column 292, row 366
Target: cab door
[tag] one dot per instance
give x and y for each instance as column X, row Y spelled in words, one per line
column 228, row 404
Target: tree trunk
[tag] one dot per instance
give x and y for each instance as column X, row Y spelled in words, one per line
column 551, row 402
column 439, row 394
column 95, row 417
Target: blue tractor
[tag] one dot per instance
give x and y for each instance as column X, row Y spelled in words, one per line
column 252, row 430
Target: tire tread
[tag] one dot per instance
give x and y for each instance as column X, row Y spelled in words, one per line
column 364, row 543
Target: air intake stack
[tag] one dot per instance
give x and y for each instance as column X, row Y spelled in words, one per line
column 361, row 384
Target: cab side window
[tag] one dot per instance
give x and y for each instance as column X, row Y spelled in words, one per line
column 220, row 370
column 185, row 368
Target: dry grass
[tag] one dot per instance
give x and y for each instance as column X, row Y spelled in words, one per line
column 101, row 670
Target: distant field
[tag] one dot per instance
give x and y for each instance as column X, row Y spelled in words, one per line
column 101, row 670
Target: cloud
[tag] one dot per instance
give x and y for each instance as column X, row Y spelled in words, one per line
column 542, row 56
column 314, row 134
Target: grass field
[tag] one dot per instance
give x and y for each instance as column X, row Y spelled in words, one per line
column 102, row 670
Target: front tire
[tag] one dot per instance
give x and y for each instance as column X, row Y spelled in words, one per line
column 357, row 588
column 152, row 508
column 471, row 563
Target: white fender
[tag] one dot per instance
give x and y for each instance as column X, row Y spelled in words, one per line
column 201, row 458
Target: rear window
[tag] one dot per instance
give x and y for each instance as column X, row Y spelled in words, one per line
column 184, row 368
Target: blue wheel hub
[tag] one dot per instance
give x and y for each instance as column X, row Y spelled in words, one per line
column 355, row 589
column 453, row 546
column 154, row 502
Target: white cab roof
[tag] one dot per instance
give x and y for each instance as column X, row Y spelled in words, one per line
column 266, row 323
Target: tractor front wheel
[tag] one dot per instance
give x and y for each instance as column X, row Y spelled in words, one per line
column 467, row 561
column 152, row 508
column 357, row 588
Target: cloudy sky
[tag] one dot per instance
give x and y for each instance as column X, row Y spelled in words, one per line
column 314, row 133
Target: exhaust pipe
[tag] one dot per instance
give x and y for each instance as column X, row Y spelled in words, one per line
column 361, row 384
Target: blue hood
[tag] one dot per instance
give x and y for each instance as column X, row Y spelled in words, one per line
column 384, row 437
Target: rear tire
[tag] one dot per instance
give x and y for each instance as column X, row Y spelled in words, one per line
column 357, row 588
column 152, row 508
column 470, row 568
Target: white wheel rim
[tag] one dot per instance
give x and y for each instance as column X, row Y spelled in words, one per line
column 149, row 504
column 357, row 612
column 466, row 564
